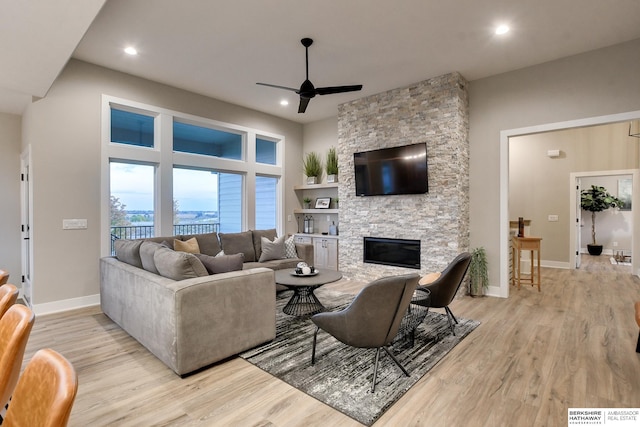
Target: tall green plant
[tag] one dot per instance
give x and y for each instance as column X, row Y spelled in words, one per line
column 312, row 165
column 597, row 199
column 332, row 162
column 478, row 272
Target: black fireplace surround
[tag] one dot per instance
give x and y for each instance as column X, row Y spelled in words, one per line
column 396, row 252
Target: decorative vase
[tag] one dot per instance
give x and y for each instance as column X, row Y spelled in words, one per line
column 311, row 180
column 594, row 249
column 332, row 178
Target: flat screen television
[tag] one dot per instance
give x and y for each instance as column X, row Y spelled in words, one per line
column 388, row 171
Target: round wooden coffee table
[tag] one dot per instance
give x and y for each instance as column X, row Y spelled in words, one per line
column 304, row 302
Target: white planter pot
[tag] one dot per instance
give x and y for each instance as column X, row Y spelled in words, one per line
column 332, row 178
column 312, row 180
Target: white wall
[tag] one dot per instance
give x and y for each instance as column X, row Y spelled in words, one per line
column 593, row 84
column 64, row 131
column 10, row 135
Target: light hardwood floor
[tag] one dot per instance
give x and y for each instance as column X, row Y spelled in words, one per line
column 534, row 356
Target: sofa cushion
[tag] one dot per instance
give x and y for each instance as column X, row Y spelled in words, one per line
column 221, row 264
column 147, row 249
column 178, row 265
column 189, row 246
column 290, row 247
column 274, row 264
column 272, row 250
column 128, row 251
column 235, row 243
column 257, row 242
column 208, row 242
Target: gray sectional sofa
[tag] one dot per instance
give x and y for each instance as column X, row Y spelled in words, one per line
column 182, row 313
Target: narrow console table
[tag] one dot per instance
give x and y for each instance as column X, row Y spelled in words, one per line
column 525, row 244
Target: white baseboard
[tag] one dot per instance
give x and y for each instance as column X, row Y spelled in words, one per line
column 67, row 304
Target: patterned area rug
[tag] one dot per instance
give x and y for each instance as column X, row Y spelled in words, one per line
column 341, row 376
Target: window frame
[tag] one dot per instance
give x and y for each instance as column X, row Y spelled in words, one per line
column 165, row 159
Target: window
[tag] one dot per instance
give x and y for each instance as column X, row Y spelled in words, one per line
column 196, row 178
column 131, row 212
column 266, row 202
column 131, row 128
column 206, row 141
column 266, row 151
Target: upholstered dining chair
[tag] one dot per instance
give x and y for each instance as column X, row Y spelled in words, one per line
column 45, row 392
column 4, row 277
column 372, row 319
column 445, row 287
column 15, row 327
column 8, row 297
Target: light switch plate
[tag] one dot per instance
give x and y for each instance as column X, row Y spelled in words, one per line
column 553, row 218
column 74, row 224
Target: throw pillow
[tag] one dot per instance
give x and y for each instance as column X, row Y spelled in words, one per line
column 189, row 246
column 207, row 242
column 178, row 265
column 272, row 250
column 257, row 236
column 290, row 248
column 128, row 251
column 235, row 243
column 147, row 249
column 221, row 264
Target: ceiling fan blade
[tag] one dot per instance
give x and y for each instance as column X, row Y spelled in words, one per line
column 303, row 104
column 337, row 89
column 279, row 87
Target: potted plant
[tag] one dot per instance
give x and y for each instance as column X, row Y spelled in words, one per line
column 332, row 165
column 597, row 199
column 312, row 166
column 478, row 276
column 306, row 203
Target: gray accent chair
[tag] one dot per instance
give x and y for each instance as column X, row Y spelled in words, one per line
column 372, row 319
column 445, row 287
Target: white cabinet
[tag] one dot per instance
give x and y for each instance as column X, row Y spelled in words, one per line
column 325, row 252
column 325, row 249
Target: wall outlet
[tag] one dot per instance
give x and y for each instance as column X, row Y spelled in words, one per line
column 615, row 244
column 553, row 218
column 328, row 218
column 288, row 218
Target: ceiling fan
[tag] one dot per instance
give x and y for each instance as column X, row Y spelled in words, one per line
column 307, row 90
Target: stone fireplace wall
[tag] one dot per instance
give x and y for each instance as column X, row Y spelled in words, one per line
column 434, row 111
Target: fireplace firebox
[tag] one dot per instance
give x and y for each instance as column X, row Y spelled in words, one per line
column 395, row 252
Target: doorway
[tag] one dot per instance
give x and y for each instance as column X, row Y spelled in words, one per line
column 26, row 217
column 505, row 135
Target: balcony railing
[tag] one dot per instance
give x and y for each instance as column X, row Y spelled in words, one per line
column 146, row 231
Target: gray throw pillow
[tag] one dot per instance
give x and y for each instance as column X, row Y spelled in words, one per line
column 147, row 249
column 178, row 265
column 257, row 235
column 221, row 264
column 272, row 250
column 235, row 243
column 128, row 251
column 208, row 242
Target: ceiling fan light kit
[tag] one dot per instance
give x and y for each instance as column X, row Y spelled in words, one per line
column 307, row 89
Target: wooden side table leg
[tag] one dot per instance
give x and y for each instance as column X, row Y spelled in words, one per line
column 539, row 277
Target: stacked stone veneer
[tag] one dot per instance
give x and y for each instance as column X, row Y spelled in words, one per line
column 434, row 111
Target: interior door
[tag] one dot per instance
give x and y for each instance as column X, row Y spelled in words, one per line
column 26, row 215
column 578, row 215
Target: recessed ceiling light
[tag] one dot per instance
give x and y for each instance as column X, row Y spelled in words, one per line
column 130, row 50
column 502, row 29
column 284, row 102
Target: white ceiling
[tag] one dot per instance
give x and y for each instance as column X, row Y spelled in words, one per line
column 222, row 48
